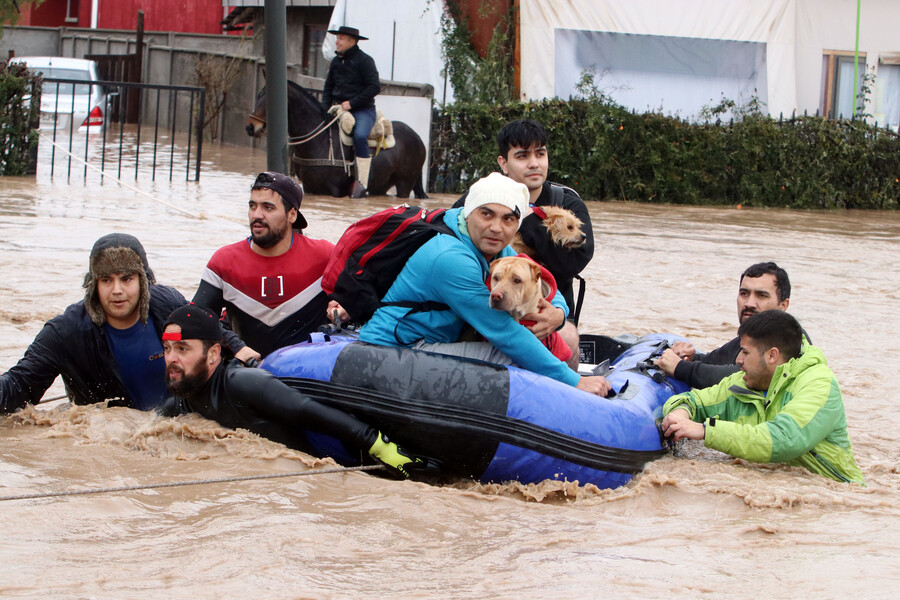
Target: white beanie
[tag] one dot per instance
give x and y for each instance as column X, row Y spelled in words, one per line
column 498, row 189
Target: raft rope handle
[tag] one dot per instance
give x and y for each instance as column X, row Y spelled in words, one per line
column 171, row 484
column 122, row 183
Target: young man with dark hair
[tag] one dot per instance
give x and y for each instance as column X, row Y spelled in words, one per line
column 107, row 346
column 763, row 286
column 203, row 381
column 271, row 283
column 784, row 406
column 523, row 157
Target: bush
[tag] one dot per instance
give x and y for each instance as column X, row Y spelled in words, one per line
column 20, row 113
column 607, row 152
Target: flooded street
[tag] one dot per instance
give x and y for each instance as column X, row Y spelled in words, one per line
column 698, row 524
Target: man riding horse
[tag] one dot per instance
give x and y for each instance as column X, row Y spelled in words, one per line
column 352, row 84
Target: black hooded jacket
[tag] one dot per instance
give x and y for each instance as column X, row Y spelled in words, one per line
column 352, row 77
column 72, row 346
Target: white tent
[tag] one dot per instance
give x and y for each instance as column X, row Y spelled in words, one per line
column 680, row 55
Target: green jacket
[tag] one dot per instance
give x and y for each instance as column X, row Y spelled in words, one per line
column 799, row 421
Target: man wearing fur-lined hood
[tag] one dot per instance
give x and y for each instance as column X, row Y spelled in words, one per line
column 107, row 347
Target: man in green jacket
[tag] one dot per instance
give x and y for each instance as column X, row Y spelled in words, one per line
column 783, row 406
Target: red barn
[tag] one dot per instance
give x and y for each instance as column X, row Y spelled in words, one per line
column 186, row 16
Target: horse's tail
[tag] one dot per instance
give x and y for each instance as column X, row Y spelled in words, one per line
column 418, row 189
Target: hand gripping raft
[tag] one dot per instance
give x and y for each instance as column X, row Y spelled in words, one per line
column 492, row 423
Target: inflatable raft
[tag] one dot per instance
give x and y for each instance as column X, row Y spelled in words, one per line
column 489, row 422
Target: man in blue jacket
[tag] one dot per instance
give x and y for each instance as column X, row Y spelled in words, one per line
column 451, row 270
column 107, row 346
column 352, row 83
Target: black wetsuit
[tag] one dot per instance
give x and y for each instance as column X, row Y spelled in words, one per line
column 254, row 399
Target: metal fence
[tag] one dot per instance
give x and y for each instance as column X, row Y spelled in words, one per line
column 85, row 122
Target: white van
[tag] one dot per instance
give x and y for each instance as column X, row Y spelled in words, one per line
column 63, row 104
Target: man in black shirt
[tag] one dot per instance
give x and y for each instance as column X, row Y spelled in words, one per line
column 763, row 286
column 352, row 83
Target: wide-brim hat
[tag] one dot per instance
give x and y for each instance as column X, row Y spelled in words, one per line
column 351, row 31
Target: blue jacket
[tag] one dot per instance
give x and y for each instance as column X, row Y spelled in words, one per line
column 452, row 271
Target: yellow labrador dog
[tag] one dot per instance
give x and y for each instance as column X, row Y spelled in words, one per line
column 563, row 227
column 516, row 286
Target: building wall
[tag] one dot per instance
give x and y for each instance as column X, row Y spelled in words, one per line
column 194, row 16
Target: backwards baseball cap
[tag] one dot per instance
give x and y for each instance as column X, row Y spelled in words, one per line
column 498, row 189
column 285, row 187
column 196, row 322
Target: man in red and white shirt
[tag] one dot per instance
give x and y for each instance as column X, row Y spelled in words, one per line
column 271, row 283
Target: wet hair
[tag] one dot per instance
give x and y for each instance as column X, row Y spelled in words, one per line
column 782, row 283
column 774, row 329
column 523, row 133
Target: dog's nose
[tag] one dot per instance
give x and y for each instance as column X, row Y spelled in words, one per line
column 495, row 295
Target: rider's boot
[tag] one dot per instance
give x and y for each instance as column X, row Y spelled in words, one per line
column 362, row 176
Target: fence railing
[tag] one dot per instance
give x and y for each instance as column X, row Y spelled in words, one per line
column 86, row 122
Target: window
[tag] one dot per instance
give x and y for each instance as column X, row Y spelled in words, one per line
column 314, row 63
column 72, row 11
column 838, row 92
column 886, row 104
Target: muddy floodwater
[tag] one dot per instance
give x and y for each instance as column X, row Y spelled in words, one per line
column 696, row 524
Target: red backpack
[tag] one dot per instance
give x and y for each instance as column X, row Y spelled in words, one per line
column 373, row 251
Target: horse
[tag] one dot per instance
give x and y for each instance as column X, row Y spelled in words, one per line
column 322, row 163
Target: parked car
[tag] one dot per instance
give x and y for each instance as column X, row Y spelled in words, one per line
column 63, row 104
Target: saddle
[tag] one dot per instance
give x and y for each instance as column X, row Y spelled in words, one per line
column 380, row 138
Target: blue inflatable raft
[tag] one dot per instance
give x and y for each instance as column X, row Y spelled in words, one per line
column 492, row 423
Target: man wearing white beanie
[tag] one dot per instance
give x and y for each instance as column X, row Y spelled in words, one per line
column 451, row 270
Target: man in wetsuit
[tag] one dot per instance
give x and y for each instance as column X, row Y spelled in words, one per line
column 203, row 381
column 352, row 83
column 763, row 286
column 107, row 346
column 524, row 158
column 271, row 283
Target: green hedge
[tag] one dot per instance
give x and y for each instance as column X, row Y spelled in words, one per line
column 607, row 152
column 20, row 112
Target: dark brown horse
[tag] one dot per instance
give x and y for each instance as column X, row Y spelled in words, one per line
column 322, row 163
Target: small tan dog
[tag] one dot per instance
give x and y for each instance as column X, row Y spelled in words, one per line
column 562, row 225
column 516, row 286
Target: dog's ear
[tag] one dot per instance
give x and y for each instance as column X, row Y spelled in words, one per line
column 535, row 270
column 545, row 289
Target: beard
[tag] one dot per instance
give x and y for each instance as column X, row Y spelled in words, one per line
column 190, row 384
column 272, row 236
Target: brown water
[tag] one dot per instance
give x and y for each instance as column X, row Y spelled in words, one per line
column 696, row 525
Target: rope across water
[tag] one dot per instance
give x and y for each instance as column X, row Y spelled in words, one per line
column 171, row 484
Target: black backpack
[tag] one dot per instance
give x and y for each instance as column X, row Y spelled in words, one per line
column 372, row 252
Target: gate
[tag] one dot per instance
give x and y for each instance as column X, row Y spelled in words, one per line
column 86, row 122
